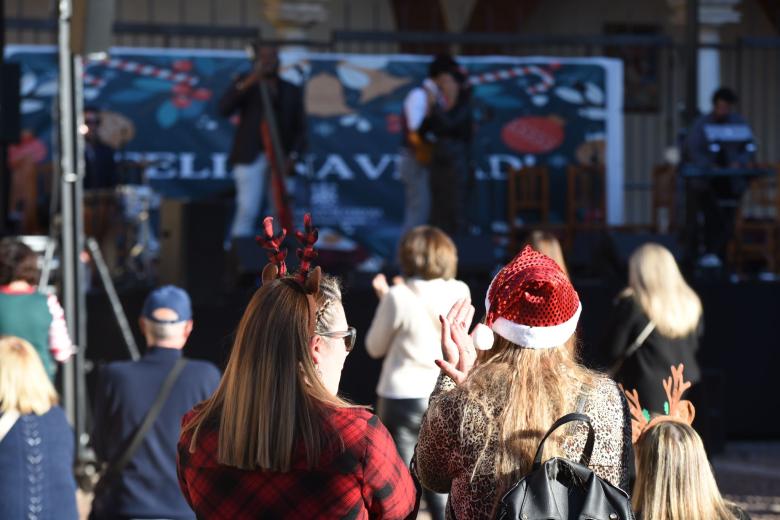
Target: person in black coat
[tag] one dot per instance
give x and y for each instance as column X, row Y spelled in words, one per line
column 148, row 486
column 100, row 172
column 247, row 156
column 451, row 176
column 658, row 317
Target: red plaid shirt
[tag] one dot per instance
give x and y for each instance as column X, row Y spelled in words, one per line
column 367, row 480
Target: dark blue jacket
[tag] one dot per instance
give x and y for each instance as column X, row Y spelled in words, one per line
column 290, row 119
column 148, row 486
column 36, row 468
column 697, row 146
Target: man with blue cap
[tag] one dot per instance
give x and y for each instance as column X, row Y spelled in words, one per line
column 140, row 480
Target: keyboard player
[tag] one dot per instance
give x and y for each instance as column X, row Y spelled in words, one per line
column 719, row 154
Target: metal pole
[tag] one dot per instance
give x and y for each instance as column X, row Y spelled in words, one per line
column 5, row 171
column 72, row 174
column 80, row 374
column 48, row 259
column 691, row 61
column 68, row 177
column 113, row 298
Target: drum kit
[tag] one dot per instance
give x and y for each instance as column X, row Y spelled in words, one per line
column 123, row 221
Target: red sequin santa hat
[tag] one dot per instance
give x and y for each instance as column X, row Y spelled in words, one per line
column 532, row 303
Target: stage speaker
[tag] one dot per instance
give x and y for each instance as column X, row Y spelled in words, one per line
column 477, row 255
column 192, row 253
column 606, row 255
column 625, row 243
column 10, row 117
column 91, row 26
column 590, row 255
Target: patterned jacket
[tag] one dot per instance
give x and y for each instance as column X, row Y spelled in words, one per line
column 365, row 480
column 447, row 459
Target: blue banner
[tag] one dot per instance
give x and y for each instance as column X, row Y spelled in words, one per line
column 160, row 110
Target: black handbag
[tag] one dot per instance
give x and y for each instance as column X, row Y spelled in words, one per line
column 561, row 489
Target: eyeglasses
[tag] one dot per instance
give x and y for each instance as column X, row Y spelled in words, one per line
column 349, row 336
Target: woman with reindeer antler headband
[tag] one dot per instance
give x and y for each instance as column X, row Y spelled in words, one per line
column 275, row 440
column 674, row 478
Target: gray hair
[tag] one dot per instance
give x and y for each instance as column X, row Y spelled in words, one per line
column 164, row 331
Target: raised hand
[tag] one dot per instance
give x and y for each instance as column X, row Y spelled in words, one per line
column 379, row 283
column 457, row 347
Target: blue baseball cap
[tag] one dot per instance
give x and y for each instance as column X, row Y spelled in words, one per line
column 168, row 297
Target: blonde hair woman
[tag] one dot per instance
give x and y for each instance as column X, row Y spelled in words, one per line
column 656, row 323
column 485, row 420
column 674, row 478
column 546, row 243
column 406, row 330
column 36, row 441
column 275, row 440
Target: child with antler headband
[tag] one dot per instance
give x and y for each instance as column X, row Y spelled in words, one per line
column 674, row 478
column 275, row 429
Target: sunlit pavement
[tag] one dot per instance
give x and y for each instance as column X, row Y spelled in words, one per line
column 748, row 473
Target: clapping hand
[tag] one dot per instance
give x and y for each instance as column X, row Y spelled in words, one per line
column 379, row 283
column 457, row 347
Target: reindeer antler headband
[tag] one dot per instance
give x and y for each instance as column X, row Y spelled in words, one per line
column 677, row 409
column 308, row 278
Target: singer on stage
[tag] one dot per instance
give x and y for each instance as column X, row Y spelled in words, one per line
column 249, row 156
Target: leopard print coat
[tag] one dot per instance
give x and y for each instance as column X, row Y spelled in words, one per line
column 449, row 462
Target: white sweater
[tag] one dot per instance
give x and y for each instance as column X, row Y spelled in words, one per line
column 407, row 332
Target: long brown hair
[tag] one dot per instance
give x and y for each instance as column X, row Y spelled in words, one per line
column 534, row 387
column 270, row 395
column 546, row 243
column 674, row 478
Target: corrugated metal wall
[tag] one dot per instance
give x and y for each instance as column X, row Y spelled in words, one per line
column 754, row 71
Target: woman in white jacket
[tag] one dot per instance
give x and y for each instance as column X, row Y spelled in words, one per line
column 406, row 331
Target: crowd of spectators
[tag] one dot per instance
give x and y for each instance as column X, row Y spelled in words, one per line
column 461, row 410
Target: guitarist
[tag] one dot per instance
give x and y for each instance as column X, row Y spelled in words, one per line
column 418, row 141
column 249, row 156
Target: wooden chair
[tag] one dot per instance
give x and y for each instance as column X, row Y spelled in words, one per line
column 757, row 224
column 664, row 198
column 528, row 194
column 586, row 200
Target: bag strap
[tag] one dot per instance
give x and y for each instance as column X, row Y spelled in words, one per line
column 638, row 342
column 640, row 339
column 569, row 417
column 7, row 422
column 116, row 467
column 417, row 486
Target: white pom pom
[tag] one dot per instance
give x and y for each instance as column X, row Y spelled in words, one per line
column 482, row 337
